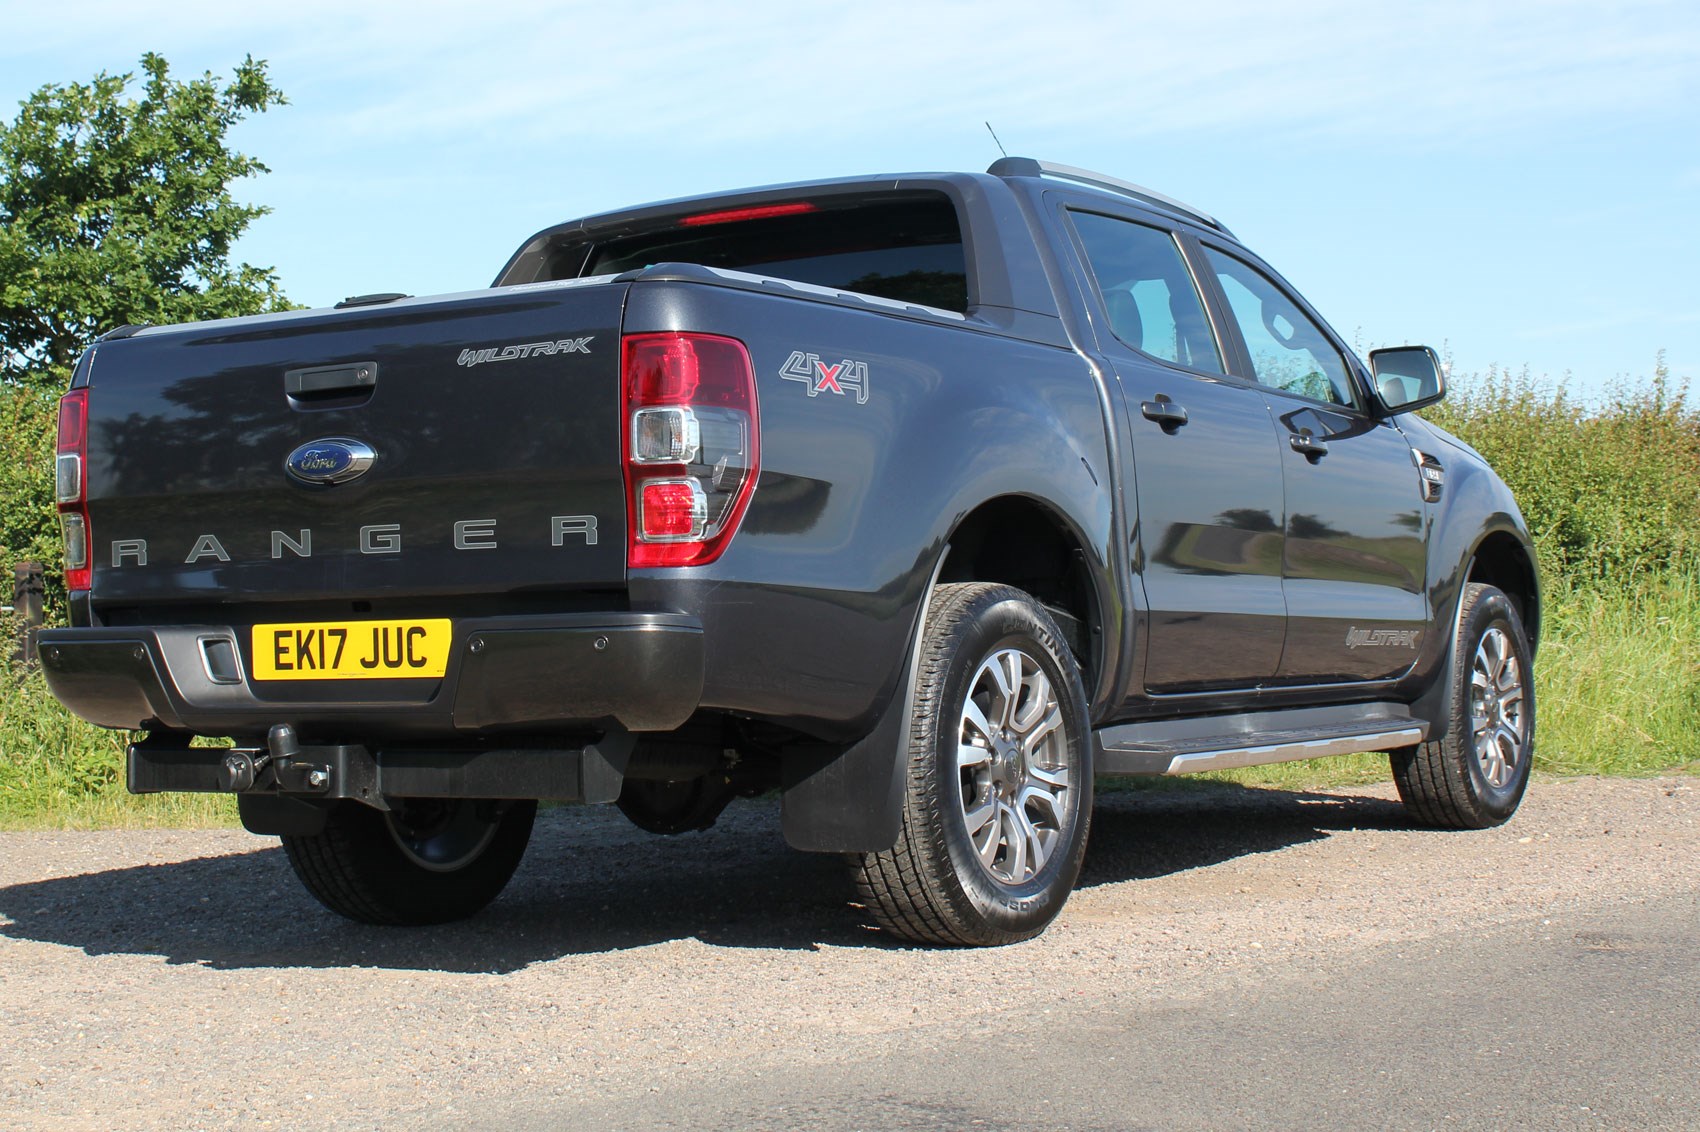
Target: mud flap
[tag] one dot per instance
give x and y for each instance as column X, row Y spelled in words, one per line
column 850, row 800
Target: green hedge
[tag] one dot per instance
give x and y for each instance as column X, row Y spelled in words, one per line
column 1610, row 492
column 29, row 525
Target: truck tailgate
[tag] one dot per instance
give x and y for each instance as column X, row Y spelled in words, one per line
column 492, row 420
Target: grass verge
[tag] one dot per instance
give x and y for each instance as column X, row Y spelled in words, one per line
column 57, row 772
column 1617, row 680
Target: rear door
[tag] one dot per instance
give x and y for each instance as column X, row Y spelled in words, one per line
column 1205, row 469
column 1354, row 565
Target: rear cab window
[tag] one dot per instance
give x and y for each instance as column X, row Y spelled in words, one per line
column 1149, row 296
column 906, row 247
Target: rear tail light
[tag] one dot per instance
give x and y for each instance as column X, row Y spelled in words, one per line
column 692, row 445
column 70, row 488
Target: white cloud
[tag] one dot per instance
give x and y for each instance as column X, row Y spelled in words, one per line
column 705, row 75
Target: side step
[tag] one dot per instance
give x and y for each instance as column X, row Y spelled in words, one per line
column 1224, row 742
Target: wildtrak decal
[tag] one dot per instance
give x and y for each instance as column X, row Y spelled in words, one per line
column 470, row 358
column 1383, row 638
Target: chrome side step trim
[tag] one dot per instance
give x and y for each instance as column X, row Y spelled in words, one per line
column 1189, row 745
column 1234, row 758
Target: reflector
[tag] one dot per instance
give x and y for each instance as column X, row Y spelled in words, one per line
column 672, row 510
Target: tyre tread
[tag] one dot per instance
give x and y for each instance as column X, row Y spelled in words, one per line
column 326, row 864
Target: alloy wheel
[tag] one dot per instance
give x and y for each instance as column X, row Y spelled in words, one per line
column 1497, row 721
column 1012, row 765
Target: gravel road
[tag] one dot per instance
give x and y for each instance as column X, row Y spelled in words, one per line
column 160, row 979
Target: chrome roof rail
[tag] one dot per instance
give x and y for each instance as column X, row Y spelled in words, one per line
column 1028, row 167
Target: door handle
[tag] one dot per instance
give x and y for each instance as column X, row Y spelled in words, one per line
column 1312, row 448
column 1167, row 414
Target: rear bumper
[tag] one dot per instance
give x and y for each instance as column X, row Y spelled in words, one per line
column 641, row 671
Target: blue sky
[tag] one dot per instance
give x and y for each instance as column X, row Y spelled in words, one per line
column 1516, row 181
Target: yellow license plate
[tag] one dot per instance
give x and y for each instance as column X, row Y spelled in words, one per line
column 352, row 650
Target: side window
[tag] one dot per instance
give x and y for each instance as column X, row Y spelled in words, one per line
column 1288, row 351
column 1148, row 293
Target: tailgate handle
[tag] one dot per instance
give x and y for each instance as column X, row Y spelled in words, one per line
column 320, row 382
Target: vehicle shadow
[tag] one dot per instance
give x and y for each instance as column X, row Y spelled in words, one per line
column 1149, row 832
column 593, row 884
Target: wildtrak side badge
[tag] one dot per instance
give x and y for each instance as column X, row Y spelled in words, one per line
column 1390, row 638
column 470, row 358
column 823, row 378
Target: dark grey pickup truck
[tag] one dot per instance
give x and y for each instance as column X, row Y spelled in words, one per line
column 923, row 499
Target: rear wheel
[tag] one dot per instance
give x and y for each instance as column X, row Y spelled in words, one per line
column 999, row 777
column 425, row 861
column 1475, row 777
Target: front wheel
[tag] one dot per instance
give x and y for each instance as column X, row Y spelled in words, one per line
column 1475, row 777
column 999, row 777
column 425, row 861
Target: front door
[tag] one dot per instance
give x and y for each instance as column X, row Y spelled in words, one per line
column 1354, row 561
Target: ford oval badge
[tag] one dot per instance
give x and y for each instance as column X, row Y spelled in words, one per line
column 335, row 459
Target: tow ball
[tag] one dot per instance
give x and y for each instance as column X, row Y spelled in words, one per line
column 242, row 767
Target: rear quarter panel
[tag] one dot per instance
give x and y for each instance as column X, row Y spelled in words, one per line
column 808, row 615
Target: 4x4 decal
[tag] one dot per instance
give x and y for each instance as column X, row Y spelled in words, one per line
column 823, row 378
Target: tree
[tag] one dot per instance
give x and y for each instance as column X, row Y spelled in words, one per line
column 117, row 210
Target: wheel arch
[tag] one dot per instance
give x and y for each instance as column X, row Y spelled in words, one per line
column 1024, row 542
column 1503, row 561
column 1499, row 557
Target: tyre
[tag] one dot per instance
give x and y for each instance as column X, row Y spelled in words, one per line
column 1475, row 777
column 426, row 861
column 999, row 777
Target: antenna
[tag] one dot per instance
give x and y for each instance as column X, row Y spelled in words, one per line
column 994, row 134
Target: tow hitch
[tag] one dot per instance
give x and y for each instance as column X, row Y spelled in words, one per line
column 593, row 772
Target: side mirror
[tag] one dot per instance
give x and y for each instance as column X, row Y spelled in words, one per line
column 1406, row 378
